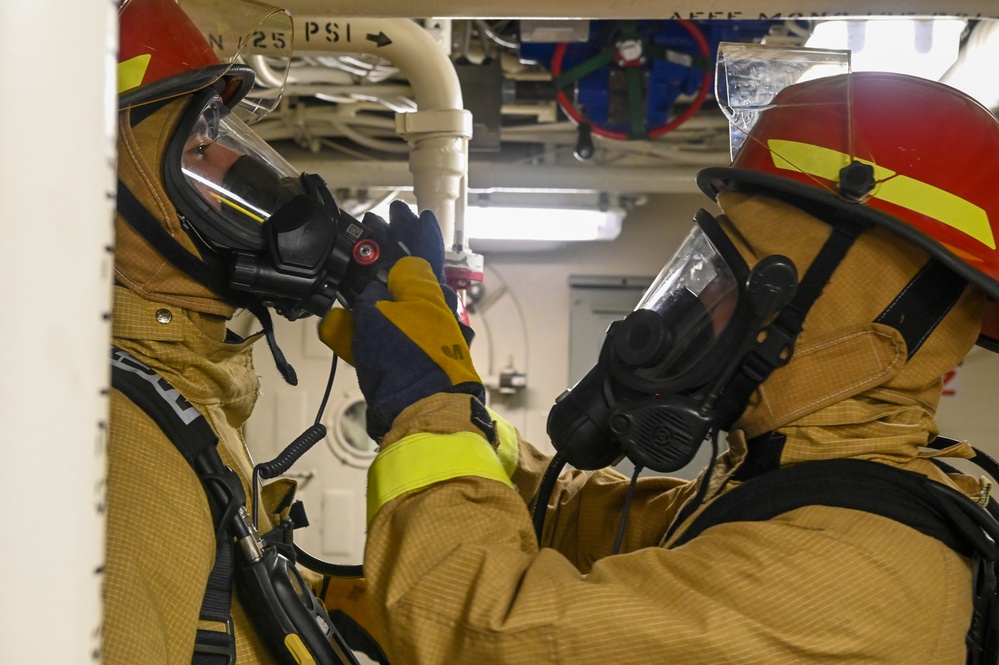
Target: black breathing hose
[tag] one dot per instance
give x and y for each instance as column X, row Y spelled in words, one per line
column 544, row 493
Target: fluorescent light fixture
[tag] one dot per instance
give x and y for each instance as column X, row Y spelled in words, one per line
column 513, row 225
column 925, row 48
column 534, row 224
column 971, row 72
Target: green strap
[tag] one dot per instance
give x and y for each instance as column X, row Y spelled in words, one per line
column 584, row 68
column 420, row 460
column 636, row 105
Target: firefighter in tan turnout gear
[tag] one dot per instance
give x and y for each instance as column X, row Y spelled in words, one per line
column 853, row 263
column 207, row 222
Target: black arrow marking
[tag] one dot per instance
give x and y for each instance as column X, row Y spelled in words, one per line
column 381, row 39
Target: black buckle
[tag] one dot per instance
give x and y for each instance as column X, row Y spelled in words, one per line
column 220, row 645
column 775, row 350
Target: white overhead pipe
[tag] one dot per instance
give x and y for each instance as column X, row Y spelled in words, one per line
column 490, row 176
column 438, row 131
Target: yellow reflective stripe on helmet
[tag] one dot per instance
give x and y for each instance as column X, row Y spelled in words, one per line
column 940, row 205
column 812, row 159
column 131, row 71
column 420, row 460
column 899, row 190
column 509, row 447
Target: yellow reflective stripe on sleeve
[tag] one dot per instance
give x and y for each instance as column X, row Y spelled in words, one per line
column 131, row 71
column 899, row 190
column 509, row 448
column 420, row 460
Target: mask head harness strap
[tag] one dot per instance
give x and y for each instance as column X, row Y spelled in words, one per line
column 777, row 344
column 923, row 303
column 206, row 271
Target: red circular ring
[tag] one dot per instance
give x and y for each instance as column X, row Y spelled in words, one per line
column 702, row 92
column 360, row 258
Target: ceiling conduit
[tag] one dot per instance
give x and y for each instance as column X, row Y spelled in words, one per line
column 438, row 131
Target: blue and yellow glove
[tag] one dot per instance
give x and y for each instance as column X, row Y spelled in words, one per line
column 404, row 339
column 420, row 234
column 422, row 237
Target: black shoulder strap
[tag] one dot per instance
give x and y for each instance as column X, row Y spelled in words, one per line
column 194, row 438
column 906, row 497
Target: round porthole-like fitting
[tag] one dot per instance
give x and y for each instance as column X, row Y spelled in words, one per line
column 347, row 432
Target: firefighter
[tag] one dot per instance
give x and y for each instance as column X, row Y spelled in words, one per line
column 209, row 221
column 853, row 263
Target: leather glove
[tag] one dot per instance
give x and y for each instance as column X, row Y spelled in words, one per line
column 404, row 341
column 422, row 237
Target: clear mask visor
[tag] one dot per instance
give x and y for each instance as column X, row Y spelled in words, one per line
column 696, row 295
column 233, row 170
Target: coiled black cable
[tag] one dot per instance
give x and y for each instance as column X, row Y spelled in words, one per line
column 283, row 462
column 294, row 450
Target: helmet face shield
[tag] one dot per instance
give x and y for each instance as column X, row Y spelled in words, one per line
column 250, row 33
column 748, row 78
column 762, row 83
column 168, row 49
column 224, row 178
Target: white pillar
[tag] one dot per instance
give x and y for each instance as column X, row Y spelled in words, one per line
column 57, row 126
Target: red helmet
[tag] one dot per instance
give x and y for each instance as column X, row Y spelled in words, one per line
column 166, row 50
column 914, row 156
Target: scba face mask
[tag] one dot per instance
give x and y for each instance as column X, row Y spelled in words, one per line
column 657, row 388
column 278, row 234
column 668, row 341
column 232, row 181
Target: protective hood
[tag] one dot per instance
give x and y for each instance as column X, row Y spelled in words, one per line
column 852, row 375
column 138, row 265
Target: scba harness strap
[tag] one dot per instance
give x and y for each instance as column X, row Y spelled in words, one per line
column 287, row 615
column 906, row 497
column 196, row 441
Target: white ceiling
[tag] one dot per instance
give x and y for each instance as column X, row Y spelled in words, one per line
column 698, row 9
column 327, row 135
